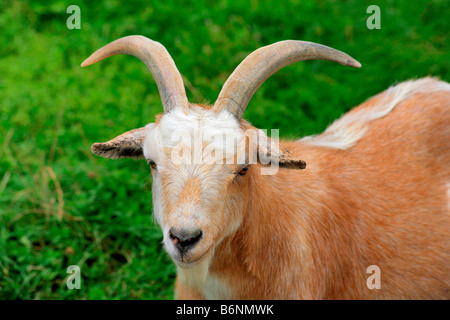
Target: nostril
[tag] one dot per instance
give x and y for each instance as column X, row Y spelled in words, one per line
column 183, row 238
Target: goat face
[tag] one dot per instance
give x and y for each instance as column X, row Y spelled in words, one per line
column 199, row 160
column 191, row 184
column 199, row 155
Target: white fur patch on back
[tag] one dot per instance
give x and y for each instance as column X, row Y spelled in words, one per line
column 347, row 130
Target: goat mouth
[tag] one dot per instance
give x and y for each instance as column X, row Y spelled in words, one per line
column 186, row 261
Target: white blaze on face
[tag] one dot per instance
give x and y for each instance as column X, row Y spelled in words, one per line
column 200, row 136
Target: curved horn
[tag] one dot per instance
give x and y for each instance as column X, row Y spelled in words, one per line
column 262, row 63
column 158, row 61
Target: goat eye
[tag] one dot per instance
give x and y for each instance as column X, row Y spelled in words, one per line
column 243, row 171
column 152, row 164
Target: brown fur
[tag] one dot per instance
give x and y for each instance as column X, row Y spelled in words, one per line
column 311, row 234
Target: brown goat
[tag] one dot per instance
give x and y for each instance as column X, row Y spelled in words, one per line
column 375, row 190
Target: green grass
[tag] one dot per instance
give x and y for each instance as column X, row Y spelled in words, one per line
column 61, row 206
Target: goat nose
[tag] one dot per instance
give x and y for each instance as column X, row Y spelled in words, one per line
column 185, row 239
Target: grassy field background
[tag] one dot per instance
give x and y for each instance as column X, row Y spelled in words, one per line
column 60, row 205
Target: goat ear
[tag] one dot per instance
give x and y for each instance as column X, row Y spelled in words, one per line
column 127, row 145
column 270, row 151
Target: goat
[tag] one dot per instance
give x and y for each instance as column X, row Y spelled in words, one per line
column 375, row 191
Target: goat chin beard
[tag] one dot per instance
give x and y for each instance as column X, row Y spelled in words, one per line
column 195, row 276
